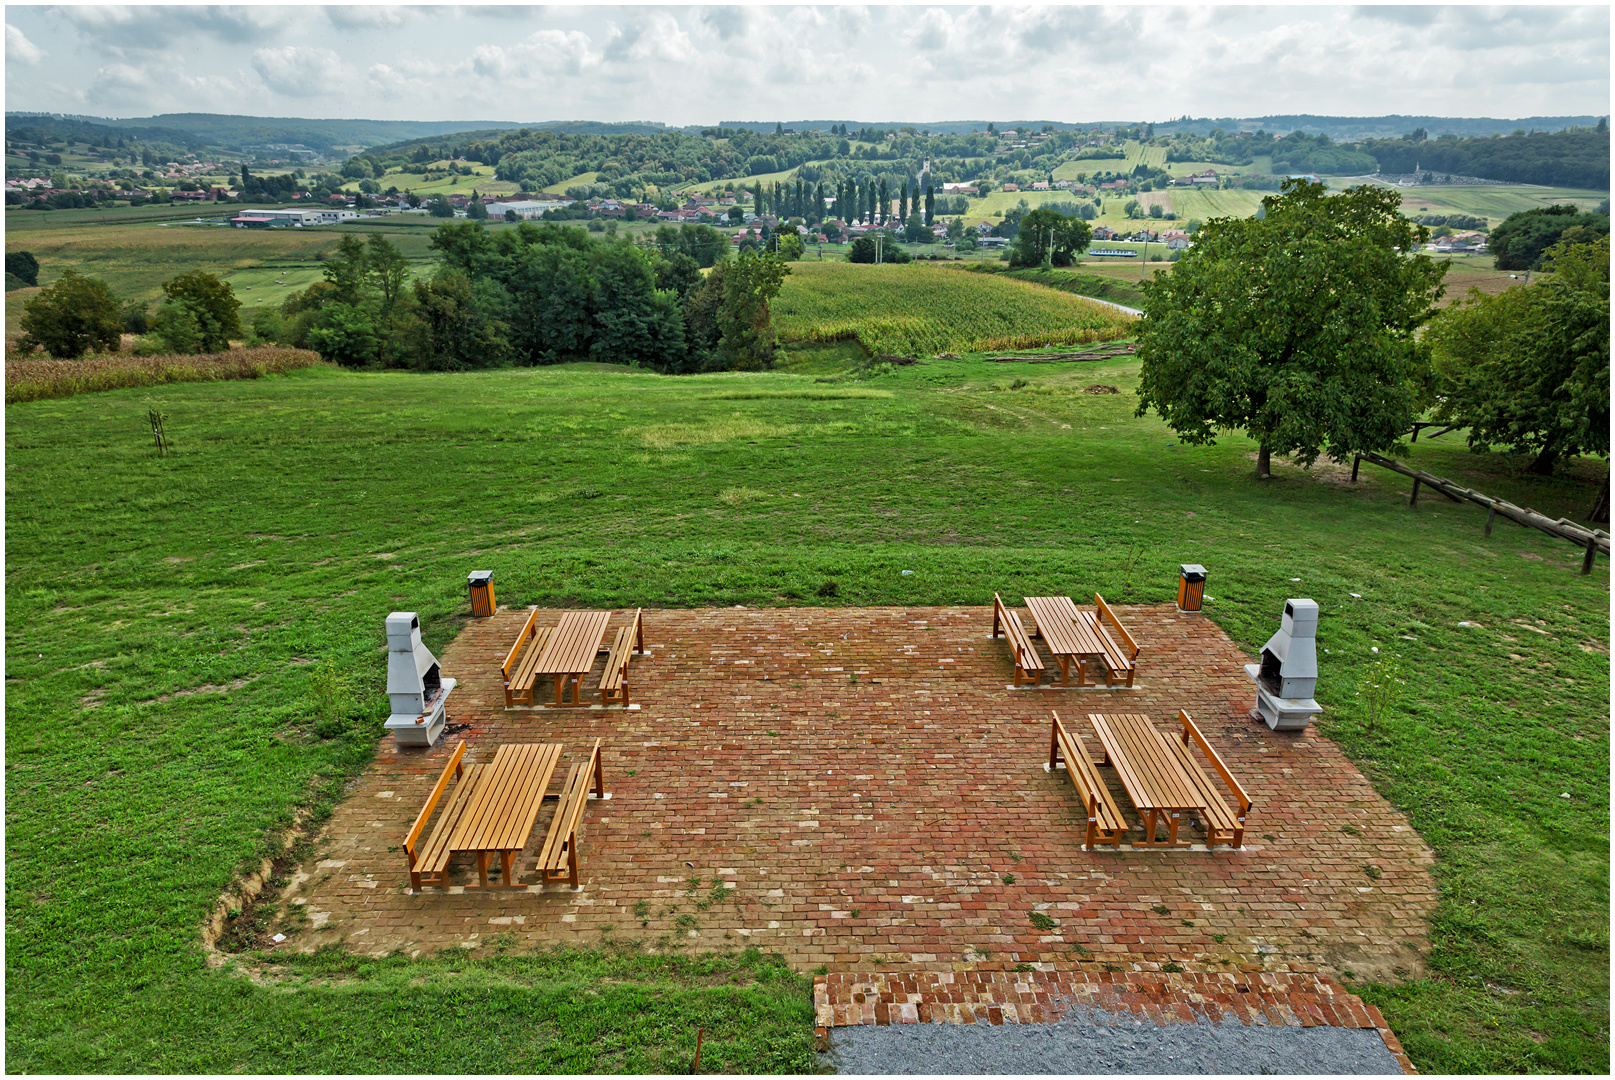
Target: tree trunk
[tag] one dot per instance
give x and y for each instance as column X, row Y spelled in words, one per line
column 1600, row 511
column 1264, row 469
column 1543, row 465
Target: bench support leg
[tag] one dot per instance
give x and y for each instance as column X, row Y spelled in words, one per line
column 482, row 868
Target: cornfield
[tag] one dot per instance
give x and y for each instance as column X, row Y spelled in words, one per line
column 924, row 310
column 35, row 380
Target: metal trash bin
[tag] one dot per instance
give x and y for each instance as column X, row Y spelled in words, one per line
column 1191, row 586
column 480, row 583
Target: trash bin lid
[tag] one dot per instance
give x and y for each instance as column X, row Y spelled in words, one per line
column 480, row 577
column 1193, row 571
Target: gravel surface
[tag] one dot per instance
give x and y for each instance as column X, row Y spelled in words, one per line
column 1090, row 1042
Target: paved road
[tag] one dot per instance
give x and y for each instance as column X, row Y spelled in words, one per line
column 1112, row 303
column 1100, row 1044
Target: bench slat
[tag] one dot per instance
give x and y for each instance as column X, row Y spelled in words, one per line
column 1105, row 824
column 559, row 856
column 614, row 680
column 1024, row 655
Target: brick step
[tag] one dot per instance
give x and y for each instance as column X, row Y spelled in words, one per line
column 1281, row 999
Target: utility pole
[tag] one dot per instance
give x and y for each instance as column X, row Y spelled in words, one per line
column 878, row 239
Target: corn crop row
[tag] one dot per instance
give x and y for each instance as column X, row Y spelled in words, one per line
column 910, row 310
column 36, row 380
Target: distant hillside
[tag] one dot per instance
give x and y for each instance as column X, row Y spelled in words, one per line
column 321, row 135
column 1360, row 128
column 240, row 134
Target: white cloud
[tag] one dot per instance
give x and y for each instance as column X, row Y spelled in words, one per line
column 19, row 50
column 867, row 65
column 299, row 70
column 540, row 57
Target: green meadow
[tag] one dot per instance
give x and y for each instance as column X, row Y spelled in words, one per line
column 165, row 616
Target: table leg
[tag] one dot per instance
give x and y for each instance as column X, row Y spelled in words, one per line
column 506, row 863
column 558, row 679
column 482, row 868
column 1172, row 829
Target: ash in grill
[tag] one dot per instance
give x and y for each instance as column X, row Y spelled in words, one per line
column 415, row 684
column 1288, row 674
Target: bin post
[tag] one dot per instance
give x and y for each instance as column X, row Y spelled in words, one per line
column 1191, row 586
column 480, row 584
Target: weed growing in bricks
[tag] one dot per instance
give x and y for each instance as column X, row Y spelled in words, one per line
column 1161, row 909
column 1007, row 879
column 1042, row 921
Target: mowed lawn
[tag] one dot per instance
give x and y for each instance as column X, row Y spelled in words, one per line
column 164, row 617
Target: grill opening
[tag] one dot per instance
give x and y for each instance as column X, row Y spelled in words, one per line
column 1270, row 673
column 431, row 682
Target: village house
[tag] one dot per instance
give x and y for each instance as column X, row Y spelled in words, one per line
column 1011, row 187
column 1040, row 185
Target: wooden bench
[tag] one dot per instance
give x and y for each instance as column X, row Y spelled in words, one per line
column 1119, row 658
column 431, row 865
column 614, row 680
column 1105, row 822
column 1222, row 825
column 1028, row 665
column 521, row 663
column 559, row 857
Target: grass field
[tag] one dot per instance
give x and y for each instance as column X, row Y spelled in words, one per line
column 481, row 181
column 136, row 255
column 163, row 615
column 921, row 310
column 1493, row 202
column 580, row 178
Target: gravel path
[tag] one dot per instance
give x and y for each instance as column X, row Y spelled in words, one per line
column 1101, row 1043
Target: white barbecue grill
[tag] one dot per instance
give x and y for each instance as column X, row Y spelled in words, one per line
column 415, row 684
column 1288, row 674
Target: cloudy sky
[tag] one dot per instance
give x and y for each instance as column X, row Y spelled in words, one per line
column 700, row 65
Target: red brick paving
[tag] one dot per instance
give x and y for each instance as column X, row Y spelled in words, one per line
column 871, row 796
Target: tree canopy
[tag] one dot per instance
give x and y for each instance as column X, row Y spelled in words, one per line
column 1297, row 329
column 71, row 317
column 1528, row 369
column 1518, row 243
column 1049, row 236
column 200, row 313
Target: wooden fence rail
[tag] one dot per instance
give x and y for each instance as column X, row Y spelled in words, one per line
column 1590, row 541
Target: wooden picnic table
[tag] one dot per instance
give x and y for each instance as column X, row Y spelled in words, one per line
column 1151, row 771
column 1069, row 636
column 493, row 809
column 571, row 650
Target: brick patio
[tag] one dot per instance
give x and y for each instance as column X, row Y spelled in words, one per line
column 871, row 796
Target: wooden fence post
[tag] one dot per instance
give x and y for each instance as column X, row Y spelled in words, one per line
column 1491, row 515
column 1356, row 462
column 1587, row 559
column 1414, row 500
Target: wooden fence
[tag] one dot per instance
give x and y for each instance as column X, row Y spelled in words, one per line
column 1591, row 541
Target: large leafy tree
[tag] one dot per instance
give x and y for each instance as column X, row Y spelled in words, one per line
column 750, row 284
column 71, row 317
column 200, row 313
column 1049, row 236
column 1528, row 369
column 1298, row 328
column 1520, row 241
